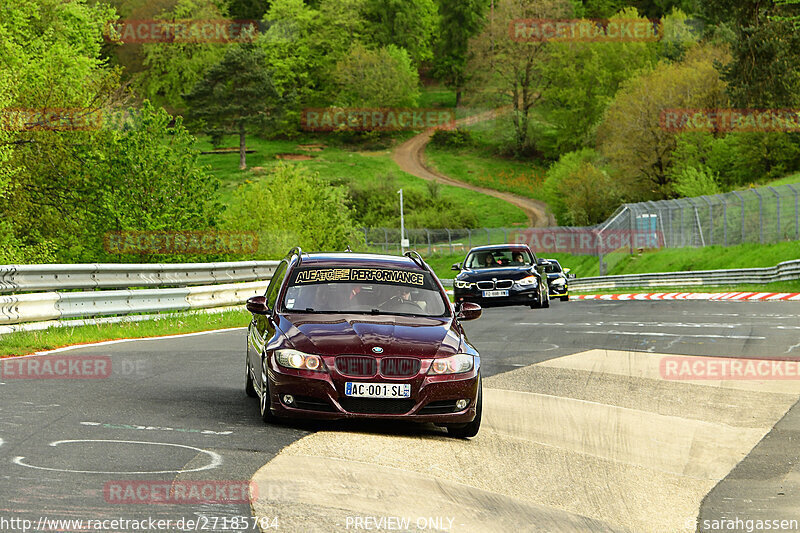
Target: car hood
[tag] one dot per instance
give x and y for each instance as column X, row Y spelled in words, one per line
column 358, row 334
column 496, row 273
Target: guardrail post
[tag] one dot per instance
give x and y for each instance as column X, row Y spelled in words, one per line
column 469, row 236
column 488, row 236
column 366, row 238
column 385, row 238
column 505, row 234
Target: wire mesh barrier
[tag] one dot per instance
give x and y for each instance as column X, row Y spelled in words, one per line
column 764, row 215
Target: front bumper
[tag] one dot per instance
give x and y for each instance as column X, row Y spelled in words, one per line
column 320, row 395
column 516, row 296
column 559, row 290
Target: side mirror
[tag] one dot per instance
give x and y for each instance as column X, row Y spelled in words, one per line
column 257, row 305
column 571, row 276
column 456, row 267
column 469, row 311
column 542, row 262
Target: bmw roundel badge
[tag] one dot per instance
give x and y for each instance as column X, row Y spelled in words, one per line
column 377, row 349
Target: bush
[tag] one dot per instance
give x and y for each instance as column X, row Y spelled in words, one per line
column 566, row 168
column 692, row 182
column 378, row 205
column 456, row 138
column 738, row 159
column 292, row 207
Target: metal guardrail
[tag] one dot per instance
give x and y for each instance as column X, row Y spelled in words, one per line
column 42, row 306
column 166, row 287
column 184, row 293
column 29, row 278
column 786, row 271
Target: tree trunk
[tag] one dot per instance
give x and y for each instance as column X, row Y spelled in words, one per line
column 242, row 148
column 458, row 97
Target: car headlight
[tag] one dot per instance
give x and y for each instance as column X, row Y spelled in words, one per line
column 559, row 281
column 299, row 360
column 455, row 364
column 530, row 280
column 462, row 284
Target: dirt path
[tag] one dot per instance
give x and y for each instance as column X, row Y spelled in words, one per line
column 410, row 157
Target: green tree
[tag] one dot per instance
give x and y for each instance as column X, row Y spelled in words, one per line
column 577, row 167
column 409, row 24
column 631, row 134
column 235, row 96
column 509, row 72
column 50, row 58
column 764, row 70
column 173, row 68
column 459, row 21
column 377, row 78
column 269, row 207
column 583, row 78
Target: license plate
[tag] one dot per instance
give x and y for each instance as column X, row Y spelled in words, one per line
column 494, row 294
column 377, row 390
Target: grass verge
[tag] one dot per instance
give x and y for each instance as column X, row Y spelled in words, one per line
column 27, row 342
column 779, row 286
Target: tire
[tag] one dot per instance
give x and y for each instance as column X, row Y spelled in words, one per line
column 466, row 431
column 546, row 300
column 565, row 298
column 249, row 388
column 264, row 401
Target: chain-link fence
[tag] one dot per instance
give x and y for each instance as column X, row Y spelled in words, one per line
column 765, row 215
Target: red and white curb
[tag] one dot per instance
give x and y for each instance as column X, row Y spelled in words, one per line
column 709, row 296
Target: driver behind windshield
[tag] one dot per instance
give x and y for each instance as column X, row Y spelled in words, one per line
column 489, row 261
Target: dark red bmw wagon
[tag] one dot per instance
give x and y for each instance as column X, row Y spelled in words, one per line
column 346, row 335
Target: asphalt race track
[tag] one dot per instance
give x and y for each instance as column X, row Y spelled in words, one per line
column 581, row 433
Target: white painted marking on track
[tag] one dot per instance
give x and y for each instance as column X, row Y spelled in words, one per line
column 139, row 427
column 658, row 334
column 2, row 442
column 216, row 459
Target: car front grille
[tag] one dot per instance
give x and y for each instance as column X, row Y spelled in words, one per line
column 399, row 367
column 357, row 366
column 376, row 406
column 491, row 285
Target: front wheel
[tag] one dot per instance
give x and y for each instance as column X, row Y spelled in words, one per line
column 465, row 431
column 249, row 388
column 565, row 298
column 264, row 403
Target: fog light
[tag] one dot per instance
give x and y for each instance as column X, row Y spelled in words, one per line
column 461, row 404
column 288, row 399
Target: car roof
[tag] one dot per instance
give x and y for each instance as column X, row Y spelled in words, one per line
column 324, row 259
column 521, row 247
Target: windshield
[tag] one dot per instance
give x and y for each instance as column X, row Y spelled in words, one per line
column 364, row 290
column 498, row 258
column 552, row 268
